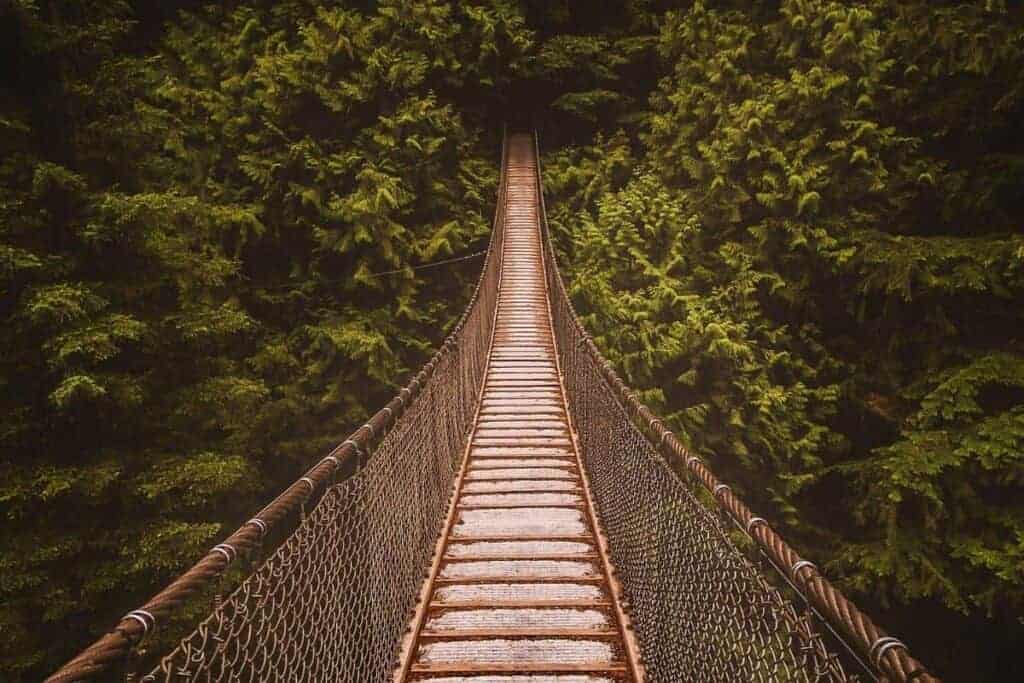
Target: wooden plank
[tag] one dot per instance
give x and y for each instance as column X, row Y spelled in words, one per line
column 479, row 633
column 518, row 667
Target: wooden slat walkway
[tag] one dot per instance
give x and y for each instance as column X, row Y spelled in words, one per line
column 521, row 590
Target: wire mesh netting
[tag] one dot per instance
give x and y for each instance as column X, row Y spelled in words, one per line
column 333, row 601
column 701, row 608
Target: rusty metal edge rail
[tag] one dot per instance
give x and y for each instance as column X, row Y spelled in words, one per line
column 113, row 647
column 888, row 656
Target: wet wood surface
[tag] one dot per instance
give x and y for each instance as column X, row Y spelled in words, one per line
column 521, row 590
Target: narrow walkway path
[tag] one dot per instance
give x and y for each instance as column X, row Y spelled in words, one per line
column 521, row 584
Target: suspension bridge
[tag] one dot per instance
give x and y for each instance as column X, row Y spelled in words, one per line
column 514, row 515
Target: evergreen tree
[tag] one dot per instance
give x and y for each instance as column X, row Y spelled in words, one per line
column 209, row 274
column 813, row 265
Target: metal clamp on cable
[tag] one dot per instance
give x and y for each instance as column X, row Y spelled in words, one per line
column 308, row 482
column 259, row 524
column 225, row 550
column 754, row 521
column 144, row 618
column 801, row 564
column 880, row 647
column 720, row 488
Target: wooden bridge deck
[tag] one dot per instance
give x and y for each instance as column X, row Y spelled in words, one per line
column 521, row 582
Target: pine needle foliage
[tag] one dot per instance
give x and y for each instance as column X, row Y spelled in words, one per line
column 808, row 256
column 191, row 233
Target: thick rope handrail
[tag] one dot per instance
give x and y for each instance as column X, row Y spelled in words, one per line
column 888, row 656
column 116, row 645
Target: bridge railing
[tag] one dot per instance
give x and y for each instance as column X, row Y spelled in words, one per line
column 333, row 597
column 703, row 610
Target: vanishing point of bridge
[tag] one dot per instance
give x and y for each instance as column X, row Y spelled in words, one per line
column 514, row 515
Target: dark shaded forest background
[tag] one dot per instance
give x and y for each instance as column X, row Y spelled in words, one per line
column 794, row 226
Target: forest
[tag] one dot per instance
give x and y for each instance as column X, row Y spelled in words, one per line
column 796, row 227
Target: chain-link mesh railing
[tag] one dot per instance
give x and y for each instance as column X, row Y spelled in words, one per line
column 702, row 608
column 333, row 600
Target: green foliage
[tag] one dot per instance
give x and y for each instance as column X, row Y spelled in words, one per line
column 680, row 314
column 944, row 492
column 191, row 299
column 812, row 265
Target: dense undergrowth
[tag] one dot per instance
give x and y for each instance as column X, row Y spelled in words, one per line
column 794, row 226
